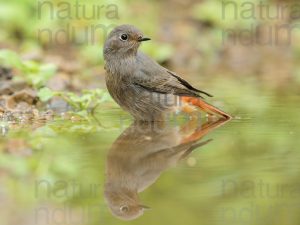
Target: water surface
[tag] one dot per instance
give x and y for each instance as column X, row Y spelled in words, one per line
column 245, row 171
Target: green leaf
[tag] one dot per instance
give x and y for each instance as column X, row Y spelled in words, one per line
column 45, row 94
column 32, row 72
column 10, row 59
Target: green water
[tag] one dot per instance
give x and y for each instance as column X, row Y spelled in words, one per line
column 248, row 173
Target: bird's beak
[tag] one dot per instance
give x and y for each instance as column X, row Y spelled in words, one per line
column 144, row 207
column 143, row 39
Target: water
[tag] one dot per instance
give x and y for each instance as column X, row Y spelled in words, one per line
column 245, row 172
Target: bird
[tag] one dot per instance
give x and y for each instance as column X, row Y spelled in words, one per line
column 142, row 87
column 141, row 154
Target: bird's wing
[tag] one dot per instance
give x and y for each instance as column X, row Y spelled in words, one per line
column 153, row 77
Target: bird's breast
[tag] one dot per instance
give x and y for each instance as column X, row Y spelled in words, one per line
column 120, row 89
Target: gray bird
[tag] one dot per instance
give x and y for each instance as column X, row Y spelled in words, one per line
column 141, row 86
column 139, row 156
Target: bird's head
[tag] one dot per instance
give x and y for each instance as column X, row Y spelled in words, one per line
column 123, row 40
column 123, row 203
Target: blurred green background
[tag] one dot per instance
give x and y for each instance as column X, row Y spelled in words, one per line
column 246, row 53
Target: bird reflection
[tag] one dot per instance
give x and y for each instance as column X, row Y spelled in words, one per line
column 140, row 154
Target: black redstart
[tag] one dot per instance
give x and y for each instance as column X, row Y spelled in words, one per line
column 141, row 86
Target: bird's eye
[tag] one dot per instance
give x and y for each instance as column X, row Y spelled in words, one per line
column 124, row 208
column 124, row 37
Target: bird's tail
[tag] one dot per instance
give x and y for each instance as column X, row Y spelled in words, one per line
column 205, row 106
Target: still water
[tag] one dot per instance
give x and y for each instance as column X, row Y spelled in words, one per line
column 102, row 171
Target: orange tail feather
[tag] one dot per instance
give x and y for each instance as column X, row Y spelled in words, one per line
column 205, row 106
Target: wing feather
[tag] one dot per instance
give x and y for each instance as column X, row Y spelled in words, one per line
column 153, row 77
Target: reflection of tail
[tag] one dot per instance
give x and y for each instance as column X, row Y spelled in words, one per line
column 203, row 130
column 191, row 142
column 205, row 106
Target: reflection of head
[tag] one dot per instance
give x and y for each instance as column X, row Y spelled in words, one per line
column 124, row 204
